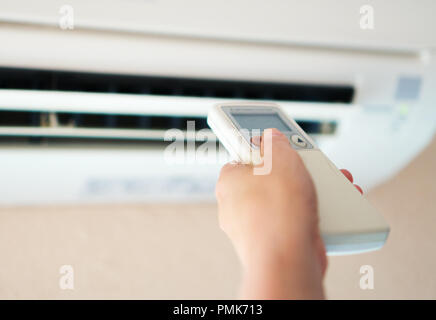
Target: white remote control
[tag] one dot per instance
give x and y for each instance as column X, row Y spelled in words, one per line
column 348, row 223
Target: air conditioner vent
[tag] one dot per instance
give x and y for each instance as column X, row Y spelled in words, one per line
column 34, row 79
column 112, row 126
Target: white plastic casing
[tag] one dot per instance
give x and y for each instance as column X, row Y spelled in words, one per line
column 348, row 222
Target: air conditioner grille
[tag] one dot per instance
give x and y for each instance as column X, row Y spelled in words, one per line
column 33, row 79
column 109, row 126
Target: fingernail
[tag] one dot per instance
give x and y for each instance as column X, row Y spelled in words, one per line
column 256, row 140
column 275, row 132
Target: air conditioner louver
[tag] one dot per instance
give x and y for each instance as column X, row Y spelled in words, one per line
column 29, row 79
column 56, row 104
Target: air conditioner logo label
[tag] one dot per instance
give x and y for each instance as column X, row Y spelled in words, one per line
column 151, row 186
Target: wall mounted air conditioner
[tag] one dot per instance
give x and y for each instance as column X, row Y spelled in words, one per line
column 83, row 112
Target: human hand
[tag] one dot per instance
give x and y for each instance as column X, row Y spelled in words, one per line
column 272, row 221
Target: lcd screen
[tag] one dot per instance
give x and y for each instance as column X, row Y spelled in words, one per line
column 260, row 121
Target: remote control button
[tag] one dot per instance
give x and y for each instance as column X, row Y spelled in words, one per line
column 298, row 141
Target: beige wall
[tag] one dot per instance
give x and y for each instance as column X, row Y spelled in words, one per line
column 406, row 267
column 131, row 252
column 177, row 251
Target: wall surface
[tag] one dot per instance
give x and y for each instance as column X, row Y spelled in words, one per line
column 405, row 267
column 178, row 251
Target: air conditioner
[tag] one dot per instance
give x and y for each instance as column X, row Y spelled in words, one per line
column 84, row 112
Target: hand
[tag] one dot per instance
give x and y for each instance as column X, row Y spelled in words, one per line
column 272, row 221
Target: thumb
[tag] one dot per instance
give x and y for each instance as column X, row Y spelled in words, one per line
column 272, row 140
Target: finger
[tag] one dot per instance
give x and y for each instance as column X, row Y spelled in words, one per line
column 322, row 254
column 347, row 174
column 359, row 188
column 231, row 166
column 273, row 136
column 276, row 133
column 229, row 172
column 256, row 140
column 234, row 170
